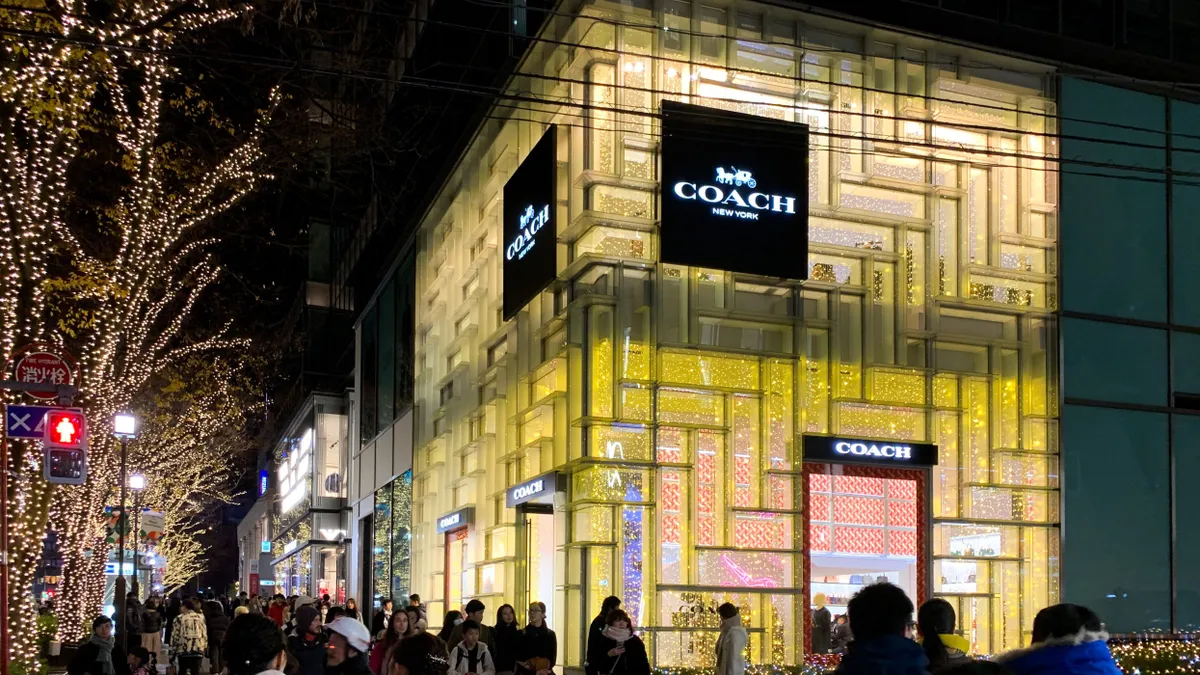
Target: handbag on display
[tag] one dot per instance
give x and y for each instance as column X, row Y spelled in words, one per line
column 856, row 579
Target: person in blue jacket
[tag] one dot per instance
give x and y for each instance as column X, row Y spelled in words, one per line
column 879, row 618
column 1067, row 640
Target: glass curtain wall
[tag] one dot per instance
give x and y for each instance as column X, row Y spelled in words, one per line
column 391, row 543
column 675, row 397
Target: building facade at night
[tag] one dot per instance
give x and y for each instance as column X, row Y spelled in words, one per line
column 682, row 435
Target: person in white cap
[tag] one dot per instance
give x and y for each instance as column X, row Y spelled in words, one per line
column 349, row 642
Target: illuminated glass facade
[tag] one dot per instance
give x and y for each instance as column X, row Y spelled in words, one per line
column 669, row 402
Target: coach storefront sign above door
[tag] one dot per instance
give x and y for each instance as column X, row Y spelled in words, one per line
column 530, row 245
column 734, row 192
column 540, row 489
column 456, row 520
column 843, row 450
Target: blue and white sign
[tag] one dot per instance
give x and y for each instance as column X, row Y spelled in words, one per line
column 532, row 489
column 25, row 421
column 110, row 569
column 264, row 478
column 455, row 520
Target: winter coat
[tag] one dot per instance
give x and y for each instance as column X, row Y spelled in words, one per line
column 151, row 621
column 486, row 635
column 216, row 624
column 1086, row 653
column 133, row 617
column 353, row 666
column 276, row 612
column 957, row 652
column 633, row 662
column 506, row 647
column 535, row 642
column 841, row 635
column 85, row 660
column 460, row 660
column 731, row 645
column 594, row 654
column 887, row 655
column 379, row 622
column 309, row 654
column 189, row 636
column 822, row 630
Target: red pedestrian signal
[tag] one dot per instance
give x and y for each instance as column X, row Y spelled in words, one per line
column 65, row 429
column 64, row 435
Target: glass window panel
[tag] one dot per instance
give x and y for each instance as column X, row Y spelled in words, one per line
column 1110, row 452
column 1114, row 362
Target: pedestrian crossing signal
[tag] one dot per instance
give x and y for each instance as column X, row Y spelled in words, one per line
column 64, row 436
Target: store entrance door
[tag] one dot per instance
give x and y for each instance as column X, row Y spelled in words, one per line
column 863, row 525
column 536, row 544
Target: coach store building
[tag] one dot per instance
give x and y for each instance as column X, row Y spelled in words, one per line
column 738, row 304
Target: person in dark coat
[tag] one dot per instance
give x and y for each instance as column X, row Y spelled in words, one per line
column 621, row 652
column 841, row 634
column 537, row 650
column 217, row 624
column 379, row 622
column 594, row 653
column 171, row 610
column 100, row 655
column 507, row 634
column 133, row 616
column 1067, row 640
column 307, row 643
column 822, row 626
column 879, row 617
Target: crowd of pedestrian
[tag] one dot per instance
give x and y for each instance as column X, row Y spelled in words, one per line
column 302, row 635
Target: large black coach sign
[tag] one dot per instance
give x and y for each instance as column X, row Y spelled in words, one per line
column 734, row 192
column 529, row 246
column 843, row 450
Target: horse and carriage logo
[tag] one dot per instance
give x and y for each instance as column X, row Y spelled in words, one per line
column 736, row 177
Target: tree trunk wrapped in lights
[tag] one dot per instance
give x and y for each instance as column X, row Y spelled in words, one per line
column 122, row 289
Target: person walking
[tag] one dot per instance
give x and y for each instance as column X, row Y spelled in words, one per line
column 453, row 618
column 152, row 625
column 1067, row 640
column 216, row 623
column 944, row 649
column 880, row 615
column 349, row 643
column 622, row 652
column 841, row 634
column 382, row 652
column 307, row 644
column 277, row 609
column 352, row 609
column 171, row 611
column 594, row 653
column 189, row 638
column 507, row 632
column 100, row 655
column 133, row 619
column 254, row 645
column 731, row 641
column 475, row 610
column 822, row 626
column 537, row 650
column 421, row 654
column 379, row 622
column 471, row 655
column 416, row 622
column 414, row 600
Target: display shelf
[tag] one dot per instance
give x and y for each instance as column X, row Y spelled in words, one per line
column 974, row 558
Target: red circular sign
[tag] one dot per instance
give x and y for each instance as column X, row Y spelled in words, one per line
column 43, row 367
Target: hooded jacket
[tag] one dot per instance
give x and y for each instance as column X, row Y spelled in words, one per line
column 731, row 644
column 460, row 660
column 1085, row 653
column 886, row 655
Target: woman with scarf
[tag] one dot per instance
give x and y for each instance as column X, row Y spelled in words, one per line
column 935, row 621
column 620, row 651
column 254, row 645
column 100, row 655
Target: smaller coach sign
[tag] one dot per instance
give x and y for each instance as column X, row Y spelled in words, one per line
column 455, row 520
column 843, row 450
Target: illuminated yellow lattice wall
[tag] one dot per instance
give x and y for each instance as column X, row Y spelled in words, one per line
column 675, row 398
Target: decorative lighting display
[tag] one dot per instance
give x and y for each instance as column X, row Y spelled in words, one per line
column 680, row 432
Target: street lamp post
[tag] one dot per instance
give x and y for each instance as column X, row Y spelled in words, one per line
column 124, row 428
column 137, row 483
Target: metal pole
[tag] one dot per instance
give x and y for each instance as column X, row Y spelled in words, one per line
column 121, row 581
column 137, row 531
